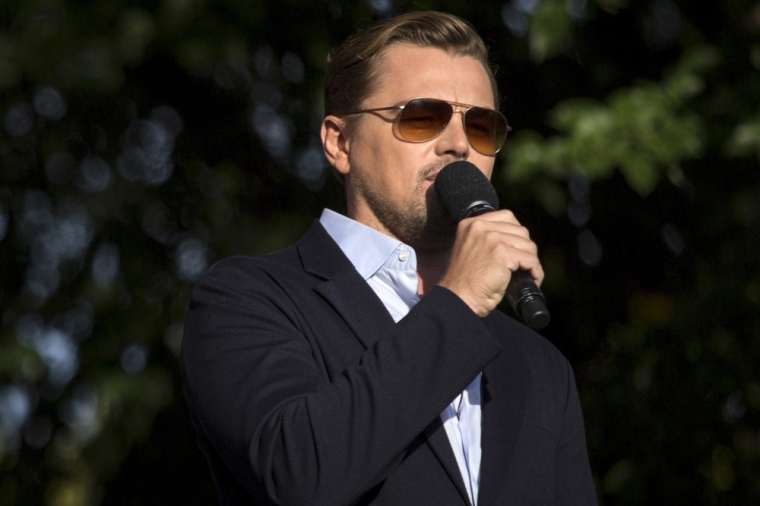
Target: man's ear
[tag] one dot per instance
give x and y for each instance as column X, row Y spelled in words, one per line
column 335, row 143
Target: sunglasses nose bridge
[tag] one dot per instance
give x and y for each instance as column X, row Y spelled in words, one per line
column 446, row 120
column 461, row 109
column 461, row 137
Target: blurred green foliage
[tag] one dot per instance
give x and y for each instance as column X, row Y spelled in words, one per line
column 641, row 131
column 142, row 141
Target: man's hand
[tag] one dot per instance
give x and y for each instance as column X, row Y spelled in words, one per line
column 487, row 249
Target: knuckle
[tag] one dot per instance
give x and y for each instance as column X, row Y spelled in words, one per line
column 503, row 251
column 510, row 216
column 478, row 226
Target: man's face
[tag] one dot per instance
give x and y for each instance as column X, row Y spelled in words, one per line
column 388, row 180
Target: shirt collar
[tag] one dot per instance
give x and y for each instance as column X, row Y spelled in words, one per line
column 366, row 248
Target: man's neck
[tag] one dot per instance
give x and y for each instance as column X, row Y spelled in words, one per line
column 431, row 261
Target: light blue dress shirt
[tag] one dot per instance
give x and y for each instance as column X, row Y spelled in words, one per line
column 390, row 268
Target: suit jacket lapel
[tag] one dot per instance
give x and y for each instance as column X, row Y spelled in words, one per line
column 503, row 390
column 439, row 442
column 346, row 291
column 350, row 295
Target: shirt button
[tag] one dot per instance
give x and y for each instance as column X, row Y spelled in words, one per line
column 403, row 256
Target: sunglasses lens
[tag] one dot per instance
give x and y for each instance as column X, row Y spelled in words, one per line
column 424, row 118
column 486, row 130
column 421, row 120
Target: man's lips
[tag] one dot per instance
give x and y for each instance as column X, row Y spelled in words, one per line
column 434, row 173
column 435, row 169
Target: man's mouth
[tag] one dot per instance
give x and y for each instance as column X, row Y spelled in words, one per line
column 432, row 172
column 431, row 177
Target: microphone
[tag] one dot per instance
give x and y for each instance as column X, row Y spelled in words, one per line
column 466, row 192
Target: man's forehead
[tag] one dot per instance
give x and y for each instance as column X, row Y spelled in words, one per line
column 407, row 71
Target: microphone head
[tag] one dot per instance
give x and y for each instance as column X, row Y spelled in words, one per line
column 459, row 185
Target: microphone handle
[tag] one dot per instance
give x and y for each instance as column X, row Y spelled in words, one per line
column 527, row 300
column 522, row 292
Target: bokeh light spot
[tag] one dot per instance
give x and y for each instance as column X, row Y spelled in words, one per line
column 579, row 213
column 55, row 347
column 49, row 103
column 147, row 157
column 580, row 189
column 36, row 210
column 310, row 167
column 672, row 239
column 526, row 6
column 265, row 63
column 381, row 7
column 734, row 408
column 168, row 117
column 80, row 411
column 105, row 264
column 19, row 120
column 15, row 407
column 94, row 174
column 42, row 282
column 60, row 238
column 265, row 93
column 60, row 353
column 28, row 329
column 292, row 68
column 576, row 9
column 589, row 248
column 77, row 322
column 134, row 358
column 191, row 259
column 514, row 19
column 275, row 131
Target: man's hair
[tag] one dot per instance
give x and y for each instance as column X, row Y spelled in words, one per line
column 353, row 68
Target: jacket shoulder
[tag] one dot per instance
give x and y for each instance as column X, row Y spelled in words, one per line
column 241, row 268
column 542, row 356
column 527, row 338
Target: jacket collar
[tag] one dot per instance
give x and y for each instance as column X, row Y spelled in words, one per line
column 343, row 287
column 320, row 255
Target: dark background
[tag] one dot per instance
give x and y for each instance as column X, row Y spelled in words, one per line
column 142, row 141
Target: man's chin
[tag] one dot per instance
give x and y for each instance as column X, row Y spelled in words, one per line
column 438, row 232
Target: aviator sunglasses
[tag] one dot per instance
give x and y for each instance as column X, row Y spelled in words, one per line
column 423, row 119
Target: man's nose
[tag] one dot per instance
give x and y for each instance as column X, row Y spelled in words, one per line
column 453, row 139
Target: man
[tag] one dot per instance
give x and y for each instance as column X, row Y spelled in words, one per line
column 366, row 364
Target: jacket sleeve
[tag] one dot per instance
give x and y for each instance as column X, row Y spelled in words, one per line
column 261, row 398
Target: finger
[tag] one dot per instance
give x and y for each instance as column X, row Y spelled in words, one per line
column 482, row 225
column 503, row 215
column 519, row 259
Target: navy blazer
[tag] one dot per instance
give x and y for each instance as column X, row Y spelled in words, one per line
column 304, row 391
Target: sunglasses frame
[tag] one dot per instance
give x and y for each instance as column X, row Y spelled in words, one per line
column 466, row 107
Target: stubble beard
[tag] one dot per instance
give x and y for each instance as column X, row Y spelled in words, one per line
column 420, row 221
